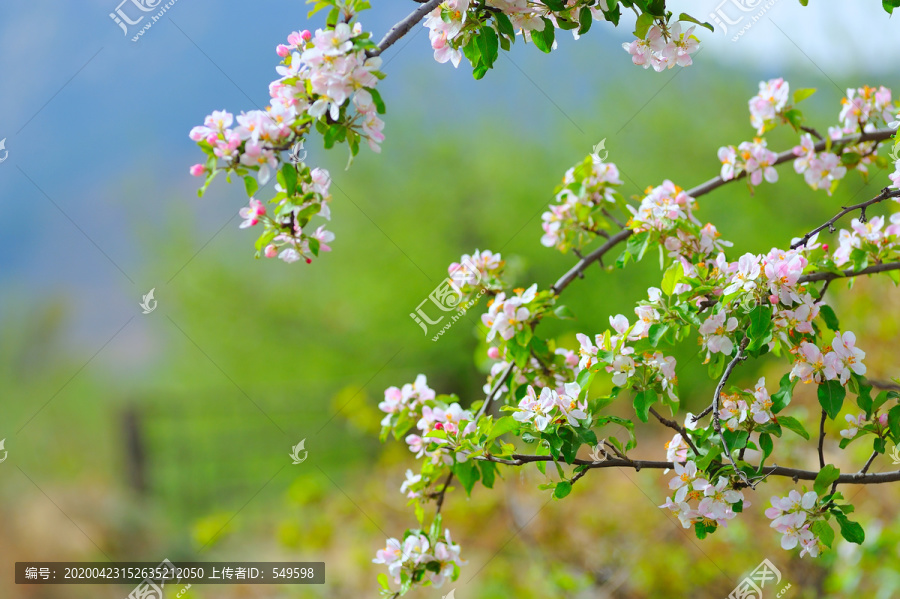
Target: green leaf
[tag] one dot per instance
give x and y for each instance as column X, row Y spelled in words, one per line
column 782, row 397
column 765, row 443
column 686, row 17
column 894, row 423
column 831, row 397
column 563, row 312
column 543, row 40
column 489, row 46
column 761, row 325
column 562, row 489
column 488, row 473
column 505, row 25
column 250, row 185
column 467, row 473
column 824, row 479
column 830, row 318
column 794, row 117
column 850, row 530
column 502, row 426
column 643, row 25
column 735, row 439
column 672, row 277
column 585, row 20
column 792, row 424
column 657, row 331
column 802, row 94
column 642, row 403
column 377, row 100
column 823, row 530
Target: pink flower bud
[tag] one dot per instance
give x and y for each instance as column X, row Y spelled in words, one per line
column 773, row 299
column 198, row 170
column 493, row 352
column 825, row 246
column 282, row 50
column 309, row 260
column 271, row 251
column 306, row 35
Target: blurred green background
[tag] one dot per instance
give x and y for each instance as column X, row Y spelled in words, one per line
column 170, row 438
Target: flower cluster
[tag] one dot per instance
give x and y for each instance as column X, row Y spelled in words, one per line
column 322, row 76
column 663, row 47
column 877, row 424
column 752, row 158
column 821, row 170
column 552, row 407
column 662, row 207
column 480, row 270
column 409, row 399
column 865, row 109
column 868, row 241
column 508, row 315
column 741, row 410
column 792, row 516
column 577, row 217
column 419, row 556
column 835, row 362
column 715, row 504
column 768, row 104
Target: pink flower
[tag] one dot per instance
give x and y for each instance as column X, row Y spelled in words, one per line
column 198, row 170
column 252, row 213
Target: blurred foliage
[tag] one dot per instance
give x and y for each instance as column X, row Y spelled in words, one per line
column 244, row 358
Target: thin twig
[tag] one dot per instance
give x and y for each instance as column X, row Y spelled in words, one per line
column 717, row 425
column 869, row 462
column 674, row 425
column 443, row 492
column 793, row 473
column 828, row 275
column 403, row 27
column 885, row 194
column 822, row 439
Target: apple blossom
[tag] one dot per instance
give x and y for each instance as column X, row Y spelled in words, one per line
column 768, row 103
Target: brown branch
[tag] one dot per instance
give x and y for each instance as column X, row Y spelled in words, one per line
column 884, row 385
column 674, row 425
column 869, row 462
column 788, row 155
column 828, row 275
column 582, row 264
column 442, row 493
column 404, row 26
column 717, row 425
column 490, row 396
column 822, row 439
column 885, row 194
column 794, row 473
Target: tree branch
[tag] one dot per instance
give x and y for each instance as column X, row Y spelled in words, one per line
column 787, row 155
column 822, row 439
column 674, row 425
column 717, row 425
column 885, row 194
column 404, row 26
column 828, row 276
column 793, row 473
